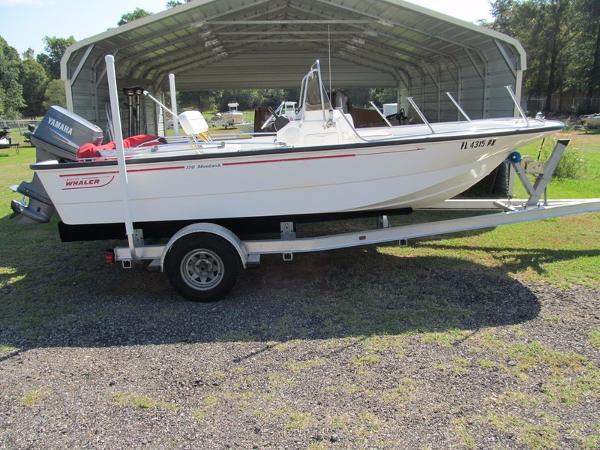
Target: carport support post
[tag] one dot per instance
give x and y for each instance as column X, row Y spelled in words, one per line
column 118, row 137
column 402, row 92
column 174, row 102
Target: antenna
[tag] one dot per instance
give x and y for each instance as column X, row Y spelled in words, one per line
column 329, row 46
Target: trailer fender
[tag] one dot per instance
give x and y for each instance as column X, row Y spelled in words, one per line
column 208, row 228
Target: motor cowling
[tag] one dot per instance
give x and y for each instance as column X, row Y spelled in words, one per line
column 61, row 133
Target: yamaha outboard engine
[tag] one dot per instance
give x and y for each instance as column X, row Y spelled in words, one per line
column 58, row 137
column 61, row 133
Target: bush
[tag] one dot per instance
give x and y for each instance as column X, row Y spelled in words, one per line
column 572, row 165
column 55, row 94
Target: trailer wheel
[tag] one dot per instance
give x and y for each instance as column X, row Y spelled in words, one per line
column 202, row 267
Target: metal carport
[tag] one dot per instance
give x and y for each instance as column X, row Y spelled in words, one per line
column 218, row 44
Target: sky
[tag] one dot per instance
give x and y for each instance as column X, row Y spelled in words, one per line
column 26, row 22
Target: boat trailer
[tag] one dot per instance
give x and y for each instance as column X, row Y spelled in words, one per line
column 203, row 260
column 210, row 262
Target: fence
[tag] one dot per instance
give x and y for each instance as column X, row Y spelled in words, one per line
column 20, row 124
column 564, row 104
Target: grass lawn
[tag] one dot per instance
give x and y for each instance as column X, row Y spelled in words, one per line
column 588, row 184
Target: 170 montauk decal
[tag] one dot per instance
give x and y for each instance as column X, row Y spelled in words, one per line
column 477, row 144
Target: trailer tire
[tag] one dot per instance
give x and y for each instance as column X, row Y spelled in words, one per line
column 202, row 267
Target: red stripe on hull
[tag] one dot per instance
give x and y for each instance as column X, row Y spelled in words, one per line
column 116, row 171
column 156, row 169
column 265, row 161
column 90, row 174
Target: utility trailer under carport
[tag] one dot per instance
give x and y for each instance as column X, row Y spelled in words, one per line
column 234, row 44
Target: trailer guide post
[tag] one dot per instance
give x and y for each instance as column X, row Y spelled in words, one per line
column 118, row 136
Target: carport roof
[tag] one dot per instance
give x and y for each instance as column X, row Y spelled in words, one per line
column 270, row 43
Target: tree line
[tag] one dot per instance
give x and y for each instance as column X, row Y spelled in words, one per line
column 562, row 41
column 30, row 83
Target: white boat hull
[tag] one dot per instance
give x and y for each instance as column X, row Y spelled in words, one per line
column 285, row 183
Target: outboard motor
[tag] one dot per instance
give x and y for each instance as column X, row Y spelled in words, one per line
column 58, row 137
column 61, row 133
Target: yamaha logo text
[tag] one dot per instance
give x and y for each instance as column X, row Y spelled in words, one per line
column 60, row 126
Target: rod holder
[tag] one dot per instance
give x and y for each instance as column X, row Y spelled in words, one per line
column 462, row 111
column 420, row 113
column 381, row 114
column 514, row 99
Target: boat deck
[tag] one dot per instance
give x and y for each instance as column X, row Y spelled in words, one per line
column 183, row 145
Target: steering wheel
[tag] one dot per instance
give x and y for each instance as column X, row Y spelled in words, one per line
column 400, row 116
column 271, row 120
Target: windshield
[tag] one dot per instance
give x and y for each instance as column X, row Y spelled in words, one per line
column 315, row 98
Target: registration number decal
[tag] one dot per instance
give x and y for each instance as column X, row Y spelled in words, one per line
column 465, row 145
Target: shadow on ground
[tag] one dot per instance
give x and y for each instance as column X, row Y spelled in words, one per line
column 56, row 294
column 519, row 259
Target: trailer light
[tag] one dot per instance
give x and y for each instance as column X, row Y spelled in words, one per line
column 109, row 256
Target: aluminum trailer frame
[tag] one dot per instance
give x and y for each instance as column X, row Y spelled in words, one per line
column 250, row 251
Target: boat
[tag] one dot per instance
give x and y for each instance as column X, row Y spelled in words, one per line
column 233, row 117
column 319, row 164
column 5, row 141
column 591, row 121
column 230, row 119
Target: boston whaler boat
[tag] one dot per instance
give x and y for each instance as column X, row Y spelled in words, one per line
column 318, row 164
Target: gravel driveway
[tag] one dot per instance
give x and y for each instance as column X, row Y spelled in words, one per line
column 349, row 349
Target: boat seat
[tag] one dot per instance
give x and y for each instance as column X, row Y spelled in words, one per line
column 89, row 151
